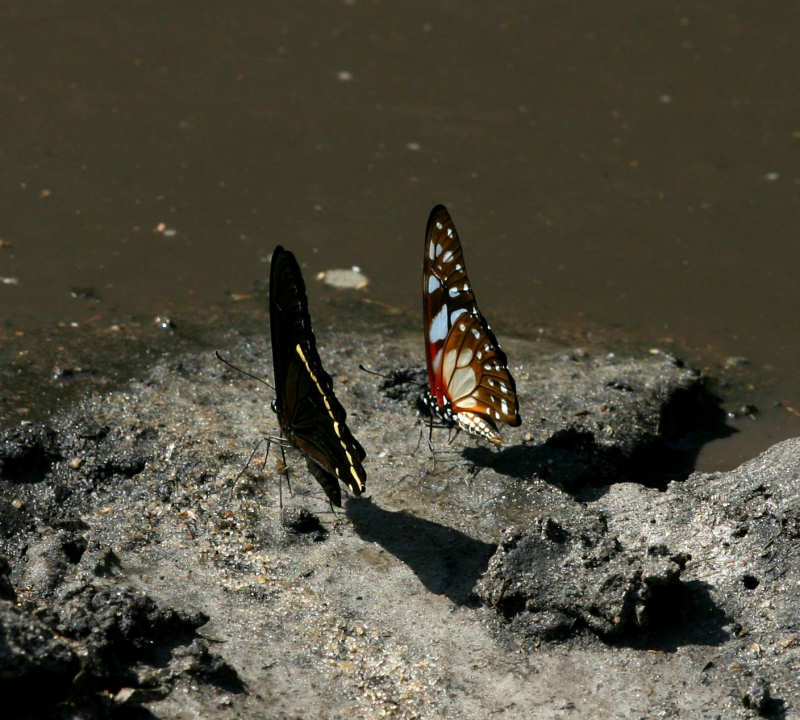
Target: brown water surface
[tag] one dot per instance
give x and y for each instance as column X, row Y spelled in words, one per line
column 619, row 172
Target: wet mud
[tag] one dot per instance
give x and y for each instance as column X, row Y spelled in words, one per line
column 581, row 569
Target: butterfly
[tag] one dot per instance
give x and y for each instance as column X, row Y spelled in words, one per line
column 308, row 412
column 470, row 386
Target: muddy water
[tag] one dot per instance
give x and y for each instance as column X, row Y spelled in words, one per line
column 619, row 174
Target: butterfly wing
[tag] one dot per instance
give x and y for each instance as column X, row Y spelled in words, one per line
column 467, row 369
column 307, row 408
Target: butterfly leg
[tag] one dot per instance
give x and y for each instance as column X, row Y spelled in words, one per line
column 280, row 485
column 430, row 441
column 285, row 470
column 419, row 440
column 452, row 435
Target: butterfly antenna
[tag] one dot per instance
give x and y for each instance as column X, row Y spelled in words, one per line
column 374, row 372
column 243, row 372
column 249, row 460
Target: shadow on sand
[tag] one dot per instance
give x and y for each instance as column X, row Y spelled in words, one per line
column 446, row 561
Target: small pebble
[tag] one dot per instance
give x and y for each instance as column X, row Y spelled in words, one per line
column 163, row 322
column 746, row 410
column 353, row 278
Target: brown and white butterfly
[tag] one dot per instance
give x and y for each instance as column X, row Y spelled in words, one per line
column 470, row 386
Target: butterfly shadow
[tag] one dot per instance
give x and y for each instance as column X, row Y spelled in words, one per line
column 578, row 469
column 573, row 461
column 584, row 465
column 446, row 561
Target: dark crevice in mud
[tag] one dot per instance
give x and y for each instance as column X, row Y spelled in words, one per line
column 403, row 385
column 758, row 697
column 74, row 548
column 679, row 615
column 127, row 465
column 446, row 561
column 27, row 453
column 299, row 522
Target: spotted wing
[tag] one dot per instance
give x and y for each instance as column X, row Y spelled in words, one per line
column 466, row 366
column 308, row 411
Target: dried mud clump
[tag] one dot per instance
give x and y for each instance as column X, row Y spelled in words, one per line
column 98, row 646
column 552, row 580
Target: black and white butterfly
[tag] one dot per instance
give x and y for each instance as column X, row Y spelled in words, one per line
column 469, row 384
column 309, row 414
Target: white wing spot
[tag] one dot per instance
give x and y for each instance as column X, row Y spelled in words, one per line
column 453, row 291
column 439, row 225
column 433, row 283
column 458, row 267
column 449, row 366
column 466, row 287
column 438, row 329
column 487, row 348
column 448, row 256
column 491, row 382
column 462, row 383
column 496, row 415
column 462, row 327
column 503, row 388
column 476, row 333
column 504, row 407
column 455, row 315
column 479, row 355
column 431, row 253
column 437, row 360
column 449, row 232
